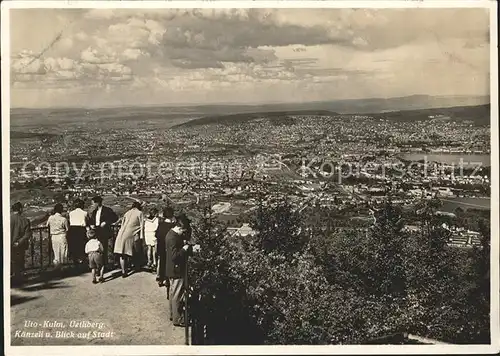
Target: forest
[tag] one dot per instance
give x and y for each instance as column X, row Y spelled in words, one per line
column 300, row 280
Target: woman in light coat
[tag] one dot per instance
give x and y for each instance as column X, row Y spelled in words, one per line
column 130, row 231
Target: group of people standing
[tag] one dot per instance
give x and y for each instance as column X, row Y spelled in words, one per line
column 167, row 242
column 69, row 236
column 85, row 236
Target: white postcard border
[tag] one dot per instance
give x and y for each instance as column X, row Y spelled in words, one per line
column 494, row 347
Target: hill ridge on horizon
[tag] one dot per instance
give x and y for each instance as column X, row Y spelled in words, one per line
column 484, row 99
column 480, row 115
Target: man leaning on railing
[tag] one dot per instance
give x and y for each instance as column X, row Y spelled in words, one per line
column 176, row 258
column 20, row 232
column 178, row 248
column 101, row 218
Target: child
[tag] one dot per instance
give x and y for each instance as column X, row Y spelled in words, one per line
column 150, row 227
column 94, row 249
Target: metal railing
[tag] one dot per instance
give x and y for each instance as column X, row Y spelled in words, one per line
column 39, row 255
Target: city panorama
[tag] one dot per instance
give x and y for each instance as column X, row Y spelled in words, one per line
column 253, row 176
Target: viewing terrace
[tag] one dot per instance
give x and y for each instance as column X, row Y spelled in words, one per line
column 134, row 309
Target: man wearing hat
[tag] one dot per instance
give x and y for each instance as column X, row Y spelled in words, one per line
column 175, row 267
column 20, row 232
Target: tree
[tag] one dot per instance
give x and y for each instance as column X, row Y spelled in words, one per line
column 339, row 286
column 477, row 297
column 433, row 273
column 68, row 182
column 279, row 227
column 16, row 185
column 386, row 242
column 221, row 302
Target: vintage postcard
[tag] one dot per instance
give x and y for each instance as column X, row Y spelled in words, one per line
column 250, row 177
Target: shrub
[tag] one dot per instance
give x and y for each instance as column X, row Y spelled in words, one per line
column 296, row 282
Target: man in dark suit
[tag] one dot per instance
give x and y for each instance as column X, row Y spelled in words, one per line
column 20, row 234
column 101, row 218
column 161, row 233
column 175, row 267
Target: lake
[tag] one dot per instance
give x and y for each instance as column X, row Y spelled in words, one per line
column 450, row 204
column 469, row 160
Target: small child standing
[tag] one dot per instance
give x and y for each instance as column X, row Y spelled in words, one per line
column 150, row 227
column 94, row 250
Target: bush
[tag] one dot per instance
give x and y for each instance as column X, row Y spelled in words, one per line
column 296, row 282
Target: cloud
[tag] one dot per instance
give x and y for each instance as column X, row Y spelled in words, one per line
column 376, row 29
column 114, row 72
column 92, row 55
column 133, row 54
column 92, row 67
column 330, row 72
column 65, row 44
column 59, row 64
column 265, row 53
column 207, row 39
column 27, row 63
column 196, row 63
column 256, row 28
column 231, row 37
column 81, row 36
column 101, row 14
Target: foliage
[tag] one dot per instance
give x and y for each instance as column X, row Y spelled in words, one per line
column 280, row 229
column 298, row 281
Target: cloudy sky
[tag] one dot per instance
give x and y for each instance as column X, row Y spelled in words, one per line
column 106, row 57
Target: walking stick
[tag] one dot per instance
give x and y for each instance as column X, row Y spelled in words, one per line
column 186, row 291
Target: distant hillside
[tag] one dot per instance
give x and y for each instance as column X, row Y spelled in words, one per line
column 41, row 136
column 351, row 106
column 275, row 117
column 413, row 102
column 478, row 115
column 21, row 119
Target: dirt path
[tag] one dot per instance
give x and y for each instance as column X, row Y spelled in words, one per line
column 126, row 311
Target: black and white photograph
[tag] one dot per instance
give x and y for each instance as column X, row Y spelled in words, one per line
column 260, row 176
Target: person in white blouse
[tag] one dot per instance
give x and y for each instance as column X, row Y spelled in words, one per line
column 58, row 227
column 77, row 234
column 150, row 227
